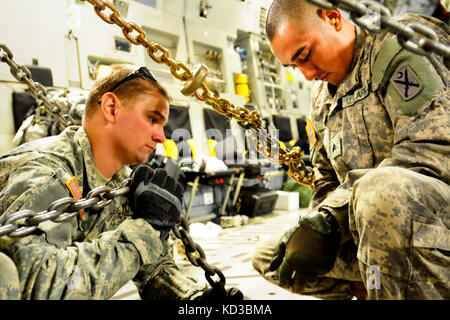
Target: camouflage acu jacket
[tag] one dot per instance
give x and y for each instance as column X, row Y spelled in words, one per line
column 392, row 109
column 77, row 259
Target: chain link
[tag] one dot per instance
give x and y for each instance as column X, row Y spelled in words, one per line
column 205, row 92
column 196, row 255
column 414, row 37
column 417, row 38
column 22, row 223
column 37, row 90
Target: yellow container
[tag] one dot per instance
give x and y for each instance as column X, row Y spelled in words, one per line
column 171, row 149
column 241, row 86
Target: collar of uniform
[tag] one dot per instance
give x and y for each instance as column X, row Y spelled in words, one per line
column 94, row 177
column 352, row 78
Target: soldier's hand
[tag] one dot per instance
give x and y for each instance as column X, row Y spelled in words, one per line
column 219, row 293
column 155, row 197
column 308, row 248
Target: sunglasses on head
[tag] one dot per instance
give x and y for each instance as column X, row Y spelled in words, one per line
column 142, row 72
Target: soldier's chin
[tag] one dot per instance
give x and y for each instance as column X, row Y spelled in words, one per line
column 143, row 161
column 333, row 79
column 140, row 159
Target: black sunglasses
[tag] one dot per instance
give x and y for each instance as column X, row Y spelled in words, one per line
column 142, row 72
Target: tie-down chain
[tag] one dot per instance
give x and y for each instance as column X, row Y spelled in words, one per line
column 197, row 85
column 374, row 17
column 24, row 222
column 37, row 90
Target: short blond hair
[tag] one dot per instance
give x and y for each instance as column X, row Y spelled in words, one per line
column 128, row 90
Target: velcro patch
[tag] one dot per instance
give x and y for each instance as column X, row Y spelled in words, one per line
column 407, row 83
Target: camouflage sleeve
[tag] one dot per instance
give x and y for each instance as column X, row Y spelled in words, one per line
column 417, row 99
column 423, row 139
column 53, row 266
column 326, row 180
column 328, row 192
column 325, row 176
column 50, row 264
column 166, row 281
column 414, row 91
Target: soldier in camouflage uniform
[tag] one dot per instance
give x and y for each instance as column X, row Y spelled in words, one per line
column 94, row 254
column 379, row 218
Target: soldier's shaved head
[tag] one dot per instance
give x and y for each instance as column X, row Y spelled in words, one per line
column 301, row 11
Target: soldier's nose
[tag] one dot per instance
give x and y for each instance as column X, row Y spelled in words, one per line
column 159, row 136
column 309, row 72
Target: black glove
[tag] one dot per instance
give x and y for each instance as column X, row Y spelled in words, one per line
column 219, row 293
column 308, row 248
column 155, row 197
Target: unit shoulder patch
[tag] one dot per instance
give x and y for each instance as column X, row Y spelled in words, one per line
column 407, row 83
column 413, row 84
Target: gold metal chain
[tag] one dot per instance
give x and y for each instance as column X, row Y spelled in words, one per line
column 197, row 85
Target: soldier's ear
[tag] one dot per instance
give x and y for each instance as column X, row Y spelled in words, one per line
column 108, row 107
column 332, row 17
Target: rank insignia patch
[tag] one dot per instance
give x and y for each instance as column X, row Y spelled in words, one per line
column 335, row 147
column 406, row 82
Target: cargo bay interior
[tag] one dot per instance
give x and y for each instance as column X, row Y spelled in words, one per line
column 234, row 196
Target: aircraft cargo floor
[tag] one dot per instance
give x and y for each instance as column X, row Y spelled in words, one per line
column 231, row 251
